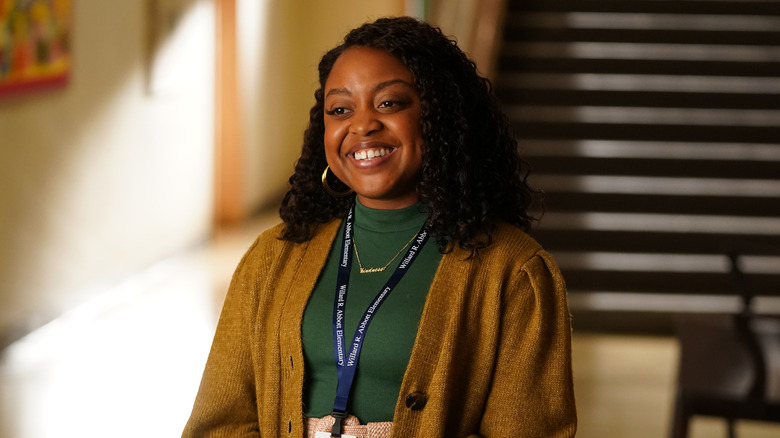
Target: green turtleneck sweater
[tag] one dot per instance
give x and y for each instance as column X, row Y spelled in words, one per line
column 378, row 236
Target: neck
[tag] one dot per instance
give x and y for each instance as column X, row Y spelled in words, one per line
column 388, row 220
column 388, row 204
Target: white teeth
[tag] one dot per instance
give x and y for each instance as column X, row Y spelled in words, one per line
column 368, row 154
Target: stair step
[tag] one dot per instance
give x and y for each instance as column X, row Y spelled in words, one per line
column 654, row 129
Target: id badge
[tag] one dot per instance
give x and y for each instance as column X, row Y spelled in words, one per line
column 327, row 435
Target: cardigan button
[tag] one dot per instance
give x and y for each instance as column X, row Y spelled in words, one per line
column 416, row 400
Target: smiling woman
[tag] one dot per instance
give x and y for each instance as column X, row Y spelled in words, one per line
column 373, row 141
column 467, row 336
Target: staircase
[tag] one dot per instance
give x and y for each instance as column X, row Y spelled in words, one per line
column 654, row 129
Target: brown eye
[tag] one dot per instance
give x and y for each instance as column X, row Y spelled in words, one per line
column 338, row 111
column 393, row 104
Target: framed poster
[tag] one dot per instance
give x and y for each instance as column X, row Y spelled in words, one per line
column 35, row 38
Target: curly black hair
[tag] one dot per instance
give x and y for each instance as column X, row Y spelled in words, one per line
column 472, row 175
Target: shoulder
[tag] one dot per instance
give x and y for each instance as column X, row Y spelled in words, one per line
column 270, row 246
column 269, row 241
column 512, row 252
column 511, row 245
column 271, row 237
column 524, row 249
column 508, row 235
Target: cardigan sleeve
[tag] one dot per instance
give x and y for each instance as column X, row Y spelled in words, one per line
column 225, row 405
column 532, row 391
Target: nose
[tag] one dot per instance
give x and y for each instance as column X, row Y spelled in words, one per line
column 365, row 123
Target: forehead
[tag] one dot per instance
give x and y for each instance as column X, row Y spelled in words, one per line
column 365, row 66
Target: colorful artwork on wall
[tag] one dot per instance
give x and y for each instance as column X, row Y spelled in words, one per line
column 35, row 38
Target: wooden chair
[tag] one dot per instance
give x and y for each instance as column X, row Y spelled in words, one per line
column 729, row 364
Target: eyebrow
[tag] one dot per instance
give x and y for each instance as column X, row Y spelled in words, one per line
column 376, row 87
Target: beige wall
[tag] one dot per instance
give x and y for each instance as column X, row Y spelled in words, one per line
column 104, row 177
column 475, row 24
column 279, row 75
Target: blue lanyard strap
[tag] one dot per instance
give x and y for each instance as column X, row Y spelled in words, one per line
column 346, row 363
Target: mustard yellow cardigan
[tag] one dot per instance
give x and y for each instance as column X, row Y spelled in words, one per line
column 492, row 356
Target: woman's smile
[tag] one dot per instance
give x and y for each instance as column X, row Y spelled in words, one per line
column 373, row 141
column 370, row 154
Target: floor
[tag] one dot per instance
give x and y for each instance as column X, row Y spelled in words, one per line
column 128, row 363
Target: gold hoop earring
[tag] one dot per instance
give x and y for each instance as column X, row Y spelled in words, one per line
column 330, row 190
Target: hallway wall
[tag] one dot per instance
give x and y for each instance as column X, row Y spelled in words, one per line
column 110, row 173
column 116, row 171
column 280, row 44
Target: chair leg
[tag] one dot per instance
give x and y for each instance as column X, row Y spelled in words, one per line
column 730, row 426
column 680, row 420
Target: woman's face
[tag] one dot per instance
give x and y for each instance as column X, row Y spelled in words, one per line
column 373, row 141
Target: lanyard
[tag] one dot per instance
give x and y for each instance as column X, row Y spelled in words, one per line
column 346, row 363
